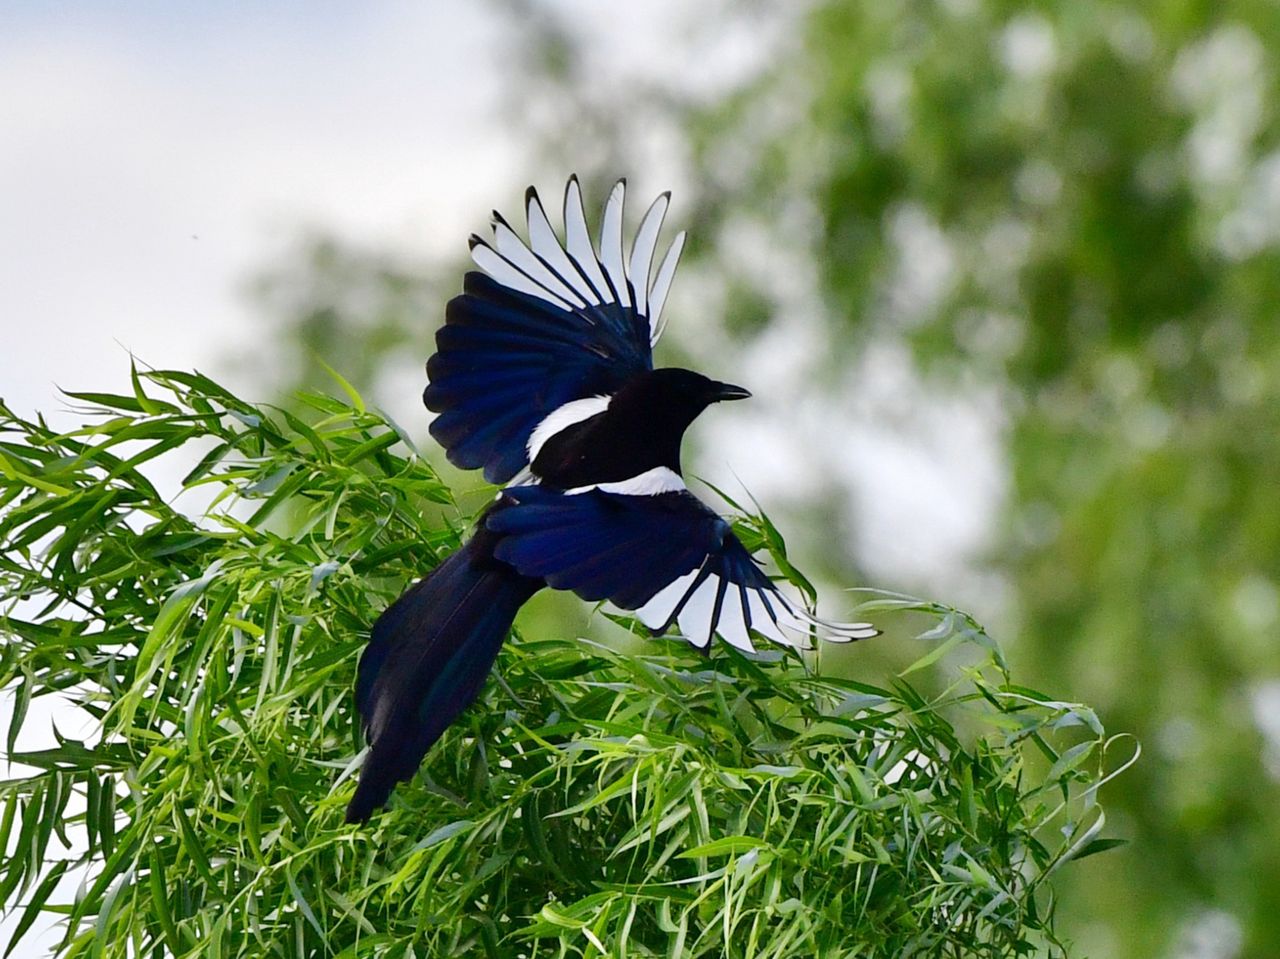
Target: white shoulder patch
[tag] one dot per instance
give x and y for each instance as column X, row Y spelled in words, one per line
column 575, row 411
column 652, row 482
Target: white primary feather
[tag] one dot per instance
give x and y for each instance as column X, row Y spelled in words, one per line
column 575, row 411
column 772, row 614
column 642, row 250
column 658, row 611
column 513, row 249
column 763, row 621
column 733, row 624
column 543, row 240
column 506, row 273
column 572, row 275
column 800, row 620
column 611, row 242
column 578, row 241
column 696, row 614
column 836, row 632
column 662, row 286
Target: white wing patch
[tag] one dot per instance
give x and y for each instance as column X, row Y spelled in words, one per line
column 703, row 605
column 659, row 611
column 520, row 256
column 662, row 286
column 575, row 411
column 510, row 275
column 572, row 275
column 660, row 479
column 578, row 240
column 611, row 243
column 697, row 616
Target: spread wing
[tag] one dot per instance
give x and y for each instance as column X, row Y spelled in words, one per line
column 545, row 324
column 667, row 556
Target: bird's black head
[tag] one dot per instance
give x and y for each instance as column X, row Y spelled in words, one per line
column 655, row 409
column 679, row 394
column 661, row 404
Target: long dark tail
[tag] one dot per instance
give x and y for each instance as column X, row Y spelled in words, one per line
column 427, row 660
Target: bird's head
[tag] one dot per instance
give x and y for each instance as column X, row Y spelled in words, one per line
column 678, row 396
column 661, row 404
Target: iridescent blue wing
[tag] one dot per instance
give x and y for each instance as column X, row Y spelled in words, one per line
column 545, row 324
column 666, row 556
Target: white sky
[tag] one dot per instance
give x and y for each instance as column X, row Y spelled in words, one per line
column 153, row 154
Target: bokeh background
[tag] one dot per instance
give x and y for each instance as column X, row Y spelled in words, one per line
column 1005, row 279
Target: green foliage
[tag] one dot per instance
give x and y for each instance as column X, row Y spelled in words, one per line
column 598, row 801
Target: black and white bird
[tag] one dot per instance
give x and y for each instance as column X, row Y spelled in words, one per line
column 543, row 377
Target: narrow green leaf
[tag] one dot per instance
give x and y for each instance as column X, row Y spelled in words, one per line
column 725, row 846
column 935, row 654
column 1098, row 845
column 352, row 395
column 159, row 904
column 102, row 924
column 21, row 702
column 1070, row 759
column 38, row 898
column 442, row 833
column 303, row 905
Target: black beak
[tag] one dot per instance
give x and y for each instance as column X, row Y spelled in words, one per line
column 727, row 391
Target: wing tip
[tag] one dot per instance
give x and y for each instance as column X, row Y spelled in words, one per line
column 858, row 632
column 617, row 193
column 573, row 194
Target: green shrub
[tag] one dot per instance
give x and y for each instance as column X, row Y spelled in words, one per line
column 631, row 799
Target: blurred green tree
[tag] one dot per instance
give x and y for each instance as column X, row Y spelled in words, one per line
column 1105, row 185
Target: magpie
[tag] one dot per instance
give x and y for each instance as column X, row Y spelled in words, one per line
column 543, row 378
